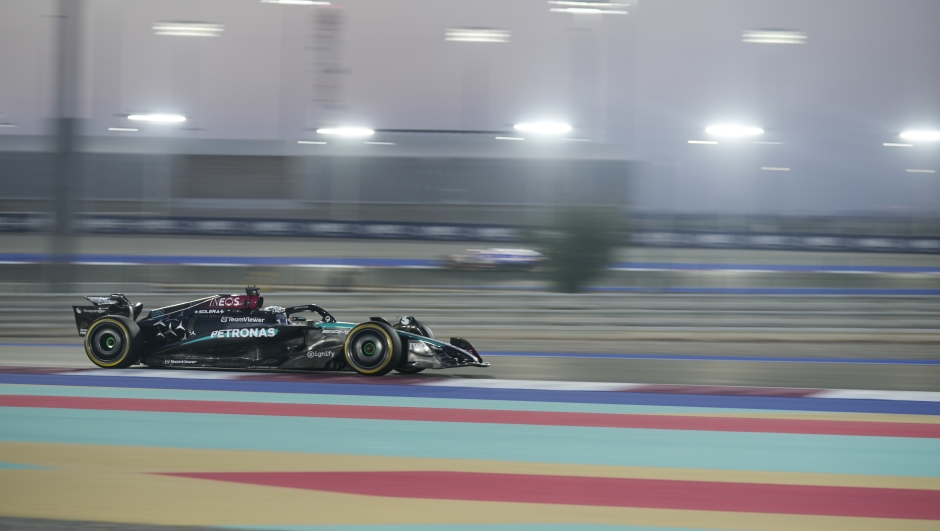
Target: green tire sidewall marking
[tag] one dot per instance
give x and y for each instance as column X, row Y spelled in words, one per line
column 353, row 332
column 90, row 334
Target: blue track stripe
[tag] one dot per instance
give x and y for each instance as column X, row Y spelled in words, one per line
column 226, row 260
column 590, row 397
column 118, row 393
column 69, row 345
column 867, row 292
column 771, row 291
column 413, row 262
column 774, row 268
column 688, row 357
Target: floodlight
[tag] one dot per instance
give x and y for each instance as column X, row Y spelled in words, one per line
column 346, row 131
column 733, row 130
column 586, row 3
column 296, row 2
column 158, row 118
column 476, row 35
column 124, row 129
column 773, row 37
column 587, row 7
column 543, row 128
column 587, row 11
column 188, row 29
column 921, row 135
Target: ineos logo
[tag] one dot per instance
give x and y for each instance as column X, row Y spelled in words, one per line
column 226, row 301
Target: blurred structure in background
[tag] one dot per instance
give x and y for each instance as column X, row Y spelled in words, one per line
column 771, row 127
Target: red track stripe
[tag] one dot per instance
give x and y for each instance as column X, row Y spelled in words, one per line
column 540, row 418
column 608, row 492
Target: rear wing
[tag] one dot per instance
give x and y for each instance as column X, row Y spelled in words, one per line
column 115, row 304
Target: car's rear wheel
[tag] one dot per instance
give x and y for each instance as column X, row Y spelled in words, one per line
column 373, row 348
column 113, row 342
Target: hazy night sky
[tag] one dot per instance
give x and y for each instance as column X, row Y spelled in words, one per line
column 646, row 82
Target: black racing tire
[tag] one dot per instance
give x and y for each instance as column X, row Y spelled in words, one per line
column 114, row 342
column 373, row 348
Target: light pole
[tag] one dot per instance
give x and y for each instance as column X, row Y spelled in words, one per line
column 65, row 157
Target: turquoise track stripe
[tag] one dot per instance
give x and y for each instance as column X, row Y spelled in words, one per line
column 354, row 400
column 15, row 465
column 550, row 444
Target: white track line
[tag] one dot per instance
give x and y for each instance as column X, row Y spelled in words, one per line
column 861, row 394
column 532, row 384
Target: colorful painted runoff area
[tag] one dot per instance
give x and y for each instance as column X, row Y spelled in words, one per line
column 308, row 452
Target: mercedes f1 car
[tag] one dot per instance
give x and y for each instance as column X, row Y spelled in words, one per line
column 238, row 331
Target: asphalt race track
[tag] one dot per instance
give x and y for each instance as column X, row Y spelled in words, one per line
column 640, row 412
column 303, row 452
column 913, row 370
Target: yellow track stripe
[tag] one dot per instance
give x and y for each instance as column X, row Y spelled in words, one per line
column 116, row 496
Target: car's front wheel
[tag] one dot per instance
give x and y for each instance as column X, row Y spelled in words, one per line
column 373, row 348
column 113, row 342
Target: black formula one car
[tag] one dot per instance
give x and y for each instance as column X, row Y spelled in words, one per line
column 238, row 331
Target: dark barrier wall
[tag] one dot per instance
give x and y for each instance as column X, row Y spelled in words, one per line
column 103, row 224
column 375, row 188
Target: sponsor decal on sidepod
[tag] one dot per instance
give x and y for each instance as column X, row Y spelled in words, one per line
column 245, row 332
column 242, row 319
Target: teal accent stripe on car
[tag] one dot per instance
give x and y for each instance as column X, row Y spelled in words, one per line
column 434, row 342
column 331, row 326
column 197, row 340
